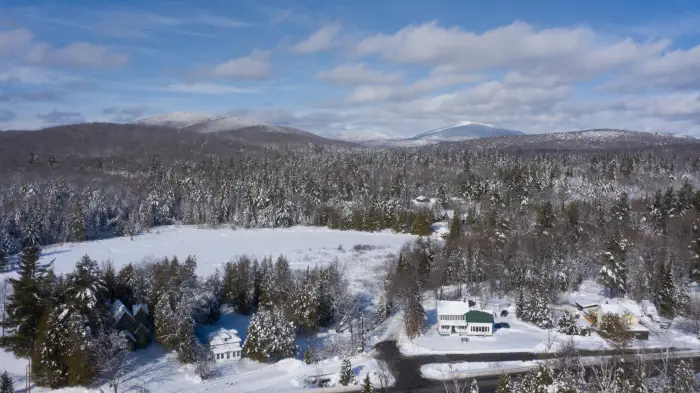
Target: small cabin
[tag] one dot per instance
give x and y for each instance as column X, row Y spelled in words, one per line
column 225, row 345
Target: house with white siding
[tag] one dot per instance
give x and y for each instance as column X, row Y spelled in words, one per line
column 458, row 318
column 225, row 344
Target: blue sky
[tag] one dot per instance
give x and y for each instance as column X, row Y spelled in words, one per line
column 355, row 67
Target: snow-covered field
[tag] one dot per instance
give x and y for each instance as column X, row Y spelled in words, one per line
column 303, row 246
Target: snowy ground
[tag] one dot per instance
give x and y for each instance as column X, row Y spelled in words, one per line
column 461, row 369
column 525, row 337
column 303, row 246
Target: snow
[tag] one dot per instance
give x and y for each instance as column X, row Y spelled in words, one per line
column 178, row 119
column 446, row 371
column 303, row 246
column 449, row 307
column 117, row 310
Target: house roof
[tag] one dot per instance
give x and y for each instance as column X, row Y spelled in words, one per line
column 224, row 333
column 118, row 310
column 612, row 308
column 138, row 307
column 478, row 316
column 451, row 307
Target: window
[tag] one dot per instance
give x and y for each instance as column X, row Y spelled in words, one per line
column 228, row 355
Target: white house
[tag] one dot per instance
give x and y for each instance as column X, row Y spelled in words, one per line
column 452, row 317
column 225, row 344
column 457, row 318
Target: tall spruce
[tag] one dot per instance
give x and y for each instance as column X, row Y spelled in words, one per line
column 614, row 270
column 6, row 384
column 25, row 306
column 347, row 376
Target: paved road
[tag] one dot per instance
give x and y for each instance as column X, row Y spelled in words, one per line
column 409, row 378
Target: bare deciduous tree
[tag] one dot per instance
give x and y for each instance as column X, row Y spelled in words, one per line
column 113, row 357
column 385, row 374
column 452, row 383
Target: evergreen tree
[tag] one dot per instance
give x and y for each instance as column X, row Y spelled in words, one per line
column 536, row 310
column 504, row 384
column 667, row 294
column 270, row 335
column 537, row 380
column 613, row 272
column 303, row 302
column 7, row 386
column 4, row 262
column 366, row 385
column 546, row 217
column 620, row 211
column 347, row 376
column 455, row 227
column 695, row 252
column 308, row 359
column 49, row 360
column 519, row 305
column 24, row 307
column 567, row 324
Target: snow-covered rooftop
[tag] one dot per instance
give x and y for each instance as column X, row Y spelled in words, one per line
column 451, row 307
column 612, row 308
column 228, row 333
column 138, row 307
column 117, row 310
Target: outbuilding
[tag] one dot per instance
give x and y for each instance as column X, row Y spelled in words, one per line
column 479, row 323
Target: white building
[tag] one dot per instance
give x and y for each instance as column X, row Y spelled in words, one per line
column 225, row 344
column 452, row 317
column 457, row 318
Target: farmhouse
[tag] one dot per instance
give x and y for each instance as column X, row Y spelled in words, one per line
column 134, row 323
column 225, row 344
column 457, row 318
column 638, row 331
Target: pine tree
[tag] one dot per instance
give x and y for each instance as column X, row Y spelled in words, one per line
column 24, row 308
column 546, row 217
column 519, row 305
column 6, row 384
column 303, row 302
column 667, row 294
column 504, row 384
column 270, row 335
column 567, row 324
column 613, row 272
column 308, row 359
column 366, row 385
column 474, row 388
column 537, row 380
column 347, row 376
column 49, row 360
column 683, row 378
column 620, row 212
column 455, row 228
column 695, row 252
column 4, row 262
column 536, row 310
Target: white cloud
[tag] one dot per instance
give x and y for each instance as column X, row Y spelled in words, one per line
column 321, row 40
column 254, row 66
column 357, row 74
column 578, row 53
column 19, row 45
column 207, row 88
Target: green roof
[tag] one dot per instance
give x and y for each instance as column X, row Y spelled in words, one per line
column 476, row 316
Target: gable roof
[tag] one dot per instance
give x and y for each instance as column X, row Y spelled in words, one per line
column 138, row 307
column 224, row 333
column 117, row 310
column 451, row 307
column 478, row 316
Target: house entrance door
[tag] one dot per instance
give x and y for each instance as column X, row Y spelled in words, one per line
column 454, row 330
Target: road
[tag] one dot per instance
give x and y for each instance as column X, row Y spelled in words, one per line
column 409, row 377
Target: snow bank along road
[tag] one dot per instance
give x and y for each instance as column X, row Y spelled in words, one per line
column 410, row 379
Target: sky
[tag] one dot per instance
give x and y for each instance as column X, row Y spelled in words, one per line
column 356, row 67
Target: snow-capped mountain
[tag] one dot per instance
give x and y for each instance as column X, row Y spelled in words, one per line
column 178, row 119
column 461, row 131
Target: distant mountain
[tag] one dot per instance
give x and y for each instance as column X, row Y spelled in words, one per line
column 462, row 131
column 593, row 139
column 239, row 129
